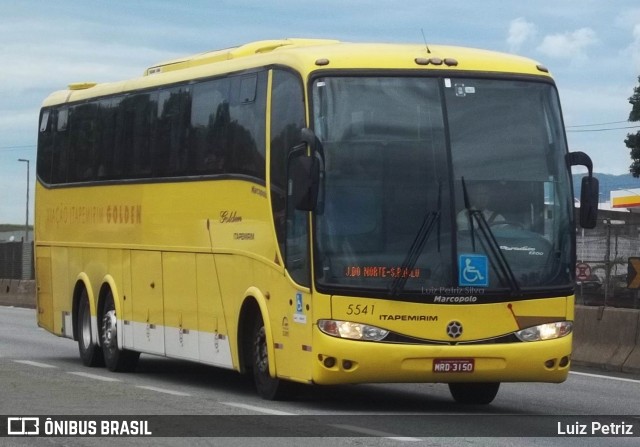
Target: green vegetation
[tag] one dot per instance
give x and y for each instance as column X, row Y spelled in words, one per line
column 633, row 139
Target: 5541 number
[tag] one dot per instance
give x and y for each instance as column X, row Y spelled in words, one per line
column 360, row 309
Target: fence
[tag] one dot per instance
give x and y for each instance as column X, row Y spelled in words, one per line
column 16, row 263
column 603, row 257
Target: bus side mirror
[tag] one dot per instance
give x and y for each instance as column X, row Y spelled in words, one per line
column 304, row 172
column 304, row 182
column 309, row 137
column 589, row 191
column 589, row 194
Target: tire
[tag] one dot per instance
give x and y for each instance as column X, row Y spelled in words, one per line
column 117, row 360
column 90, row 352
column 268, row 387
column 474, row 393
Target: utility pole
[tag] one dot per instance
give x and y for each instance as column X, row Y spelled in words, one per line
column 26, row 265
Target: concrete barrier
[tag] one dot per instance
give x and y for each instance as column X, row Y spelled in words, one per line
column 605, row 338
column 632, row 365
column 18, row 293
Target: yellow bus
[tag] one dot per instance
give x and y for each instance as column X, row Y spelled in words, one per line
column 311, row 211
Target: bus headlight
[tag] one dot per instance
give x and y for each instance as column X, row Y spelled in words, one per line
column 353, row 331
column 547, row 331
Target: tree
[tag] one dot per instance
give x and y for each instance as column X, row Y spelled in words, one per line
column 633, row 140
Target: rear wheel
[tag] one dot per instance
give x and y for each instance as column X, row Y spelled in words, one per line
column 268, row 387
column 474, row 393
column 115, row 359
column 90, row 352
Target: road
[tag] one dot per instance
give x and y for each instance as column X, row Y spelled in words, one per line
column 41, row 374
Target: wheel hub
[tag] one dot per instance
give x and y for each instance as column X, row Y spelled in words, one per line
column 109, row 329
column 262, row 359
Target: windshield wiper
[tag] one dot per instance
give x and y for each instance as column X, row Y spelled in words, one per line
column 491, row 246
column 429, row 222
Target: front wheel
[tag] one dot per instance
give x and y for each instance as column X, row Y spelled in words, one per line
column 268, row 387
column 474, row 393
column 115, row 359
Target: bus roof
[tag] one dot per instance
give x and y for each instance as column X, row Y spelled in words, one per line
column 306, row 56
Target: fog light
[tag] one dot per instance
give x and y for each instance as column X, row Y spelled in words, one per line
column 329, row 362
column 564, row 361
column 550, row 363
column 347, row 364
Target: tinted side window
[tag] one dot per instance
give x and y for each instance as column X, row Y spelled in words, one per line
column 171, row 136
column 210, row 126
column 287, row 119
column 139, row 112
column 110, row 158
column 82, row 142
column 204, row 128
column 247, row 114
column 45, row 143
column 59, row 162
column 228, row 126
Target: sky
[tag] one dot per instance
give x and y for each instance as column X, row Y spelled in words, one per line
column 591, row 47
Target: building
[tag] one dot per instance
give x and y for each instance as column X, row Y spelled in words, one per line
column 16, row 263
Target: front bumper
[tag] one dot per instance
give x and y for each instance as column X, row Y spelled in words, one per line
column 340, row 361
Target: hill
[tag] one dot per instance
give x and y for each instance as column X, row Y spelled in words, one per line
column 12, row 227
column 608, row 183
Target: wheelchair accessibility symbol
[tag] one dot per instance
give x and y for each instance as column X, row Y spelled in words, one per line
column 473, row 271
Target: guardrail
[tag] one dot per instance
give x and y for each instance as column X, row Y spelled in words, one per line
column 604, row 337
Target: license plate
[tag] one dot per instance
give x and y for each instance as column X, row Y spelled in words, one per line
column 454, row 365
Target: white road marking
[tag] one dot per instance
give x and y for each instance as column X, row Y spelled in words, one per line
column 620, row 379
column 164, row 390
column 94, row 376
column 32, row 363
column 381, row 434
column 258, row 409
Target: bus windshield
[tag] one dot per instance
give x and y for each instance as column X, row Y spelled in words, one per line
column 441, row 186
